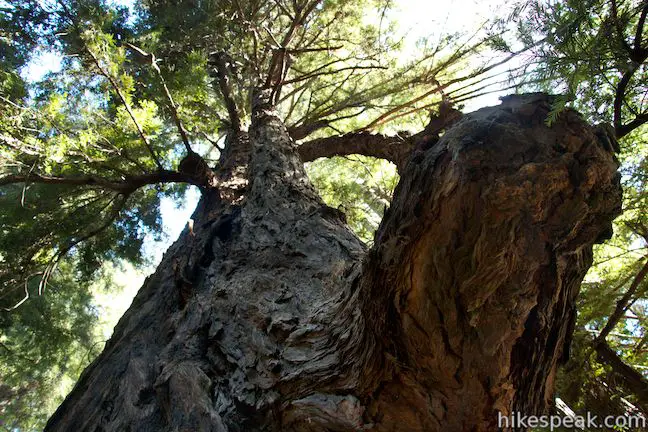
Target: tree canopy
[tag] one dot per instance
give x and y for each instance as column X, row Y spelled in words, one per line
column 88, row 152
column 595, row 52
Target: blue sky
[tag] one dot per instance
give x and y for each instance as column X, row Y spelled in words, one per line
column 417, row 18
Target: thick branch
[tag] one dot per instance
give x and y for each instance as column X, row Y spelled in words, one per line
column 126, row 186
column 470, row 287
column 302, row 131
column 395, row 149
column 623, row 303
column 620, row 95
column 625, row 129
column 633, row 380
column 639, row 33
column 279, row 63
column 220, row 61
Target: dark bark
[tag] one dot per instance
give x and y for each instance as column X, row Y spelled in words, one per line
column 125, row 186
column 272, row 316
column 395, row 149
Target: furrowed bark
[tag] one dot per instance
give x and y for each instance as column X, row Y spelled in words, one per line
column 470, row 290
column 234, row 331
column 272, row 316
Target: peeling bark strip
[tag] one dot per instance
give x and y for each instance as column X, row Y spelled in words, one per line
column 461, row 309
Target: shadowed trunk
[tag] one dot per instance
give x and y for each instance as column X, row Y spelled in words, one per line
column 273, row 316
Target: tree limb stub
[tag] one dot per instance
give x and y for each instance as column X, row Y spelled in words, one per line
column 470, row 288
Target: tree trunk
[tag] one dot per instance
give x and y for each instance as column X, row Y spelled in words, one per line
column 273, row 316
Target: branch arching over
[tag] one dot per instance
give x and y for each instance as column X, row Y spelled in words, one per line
column 395, row 149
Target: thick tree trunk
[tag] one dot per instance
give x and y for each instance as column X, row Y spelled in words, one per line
column 272, row 316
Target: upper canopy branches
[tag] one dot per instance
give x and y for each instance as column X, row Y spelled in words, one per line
column 136, row 95
column 595, row 51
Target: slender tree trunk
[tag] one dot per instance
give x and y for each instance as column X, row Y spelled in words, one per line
column 273, row 316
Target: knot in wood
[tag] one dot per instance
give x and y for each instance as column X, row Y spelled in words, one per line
column 195, row 166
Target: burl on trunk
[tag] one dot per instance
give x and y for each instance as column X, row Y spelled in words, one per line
column 272, row 316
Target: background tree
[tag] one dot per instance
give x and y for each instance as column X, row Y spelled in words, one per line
column 157, row 101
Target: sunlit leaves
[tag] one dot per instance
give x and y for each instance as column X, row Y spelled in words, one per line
column 359, row 186
column 46, row 343
column 587, row 53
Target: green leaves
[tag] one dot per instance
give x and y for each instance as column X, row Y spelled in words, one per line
column 87, row 154
column 359, row 186
column 591, row 55
column 594, row 51
column 46, row 343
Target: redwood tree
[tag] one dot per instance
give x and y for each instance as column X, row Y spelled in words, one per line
column 268, row 313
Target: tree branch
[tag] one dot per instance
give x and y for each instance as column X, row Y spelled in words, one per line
column 305, row 129
column 619, row 28
column 302, row 131
column 639, row 32
column 638, row 56
column 625, row 129
column 395, row 149
column 117, row 203
column 172, row 106
column 126, row 186
column 623, row 304
column 389, row 115
column 122, row 97
column 278, row 64
column 220, row 61
column 633, row 380
column 333, row 72
column 315, row 49
column 456, row 273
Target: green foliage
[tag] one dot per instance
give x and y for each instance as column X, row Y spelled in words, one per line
column 46, row 343
column 360, row 186
column 589, row 48
column 70, row 143
column 594, row 52
column 588, row 54
column 587, row 383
